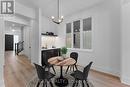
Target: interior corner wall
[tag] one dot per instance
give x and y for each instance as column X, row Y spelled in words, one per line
column 125, row 62
column 105, row 36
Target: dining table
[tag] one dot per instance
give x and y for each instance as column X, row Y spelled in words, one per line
column 61, row 81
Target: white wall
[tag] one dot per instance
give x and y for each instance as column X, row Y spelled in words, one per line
column 1, row 52
column 24, row 10
column 105, row 39
column 48, row 25
column 125, row 75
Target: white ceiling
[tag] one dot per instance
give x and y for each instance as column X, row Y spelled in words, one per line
column 67, row 7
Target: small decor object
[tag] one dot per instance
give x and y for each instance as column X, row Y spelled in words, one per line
column 64, row 51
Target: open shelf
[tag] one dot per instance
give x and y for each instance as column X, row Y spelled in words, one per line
column 49, row 35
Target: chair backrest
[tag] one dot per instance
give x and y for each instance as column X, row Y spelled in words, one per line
column 86, row 70
column 74, row 55
column 40, row 71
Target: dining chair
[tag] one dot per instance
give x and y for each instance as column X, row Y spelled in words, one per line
column 81, row 76
column 73, row 55
column 46, row 64
column 43, row 75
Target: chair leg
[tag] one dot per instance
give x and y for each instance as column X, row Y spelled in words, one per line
column 77, row 83
column 76, row 67
column 82, row 83
column 70, row 68
column 87, row 83
column 73, row 68
column 38, row 83
column 51, row 83
column 44, row 83
column 53, row 69
column 74, row 83
column 67, row 69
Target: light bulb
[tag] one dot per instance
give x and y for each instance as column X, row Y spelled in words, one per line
column 62, row 17
column 59, row 20
column 52, row 17
column 13, row 30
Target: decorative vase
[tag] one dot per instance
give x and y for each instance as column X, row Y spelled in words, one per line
column 64, row 56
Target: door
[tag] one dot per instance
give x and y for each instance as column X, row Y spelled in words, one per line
column 27, row 41
column 9, row 42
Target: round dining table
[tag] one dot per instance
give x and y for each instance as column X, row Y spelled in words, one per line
column 60, row 61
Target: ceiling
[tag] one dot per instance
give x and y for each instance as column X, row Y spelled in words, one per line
column 67, row 7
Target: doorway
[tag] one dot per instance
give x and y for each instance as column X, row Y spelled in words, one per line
column 9, row 42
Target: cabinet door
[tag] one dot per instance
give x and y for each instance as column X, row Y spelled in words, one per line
column 43, row 58
column 56, row 52
column 50, row 53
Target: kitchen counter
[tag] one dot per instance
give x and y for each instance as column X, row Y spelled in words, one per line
column 43, row 49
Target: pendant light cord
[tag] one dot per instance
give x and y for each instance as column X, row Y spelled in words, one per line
column 58, row 9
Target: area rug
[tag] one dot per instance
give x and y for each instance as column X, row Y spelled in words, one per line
column 34, row 80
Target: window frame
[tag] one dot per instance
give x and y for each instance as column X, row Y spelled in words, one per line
column 81, row 34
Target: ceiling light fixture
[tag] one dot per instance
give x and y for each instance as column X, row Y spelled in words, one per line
column 59, row 18
column 13, row 30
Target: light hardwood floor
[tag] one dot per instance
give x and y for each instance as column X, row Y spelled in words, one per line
column 18, row 71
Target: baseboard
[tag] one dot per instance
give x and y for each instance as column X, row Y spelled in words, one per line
column 104, row 70
column 110, row 72
column 125, row 80
column 107, row 74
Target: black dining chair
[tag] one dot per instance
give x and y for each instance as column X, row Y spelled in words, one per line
column 73, row 55
column 46, row 64
column 43, row 75
column 82, row 76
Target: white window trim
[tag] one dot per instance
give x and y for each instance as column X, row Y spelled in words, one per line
column 81, row 36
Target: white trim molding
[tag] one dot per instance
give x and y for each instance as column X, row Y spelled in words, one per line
column 125, row 80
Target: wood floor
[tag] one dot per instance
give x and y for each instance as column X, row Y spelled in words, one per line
column 18, row 71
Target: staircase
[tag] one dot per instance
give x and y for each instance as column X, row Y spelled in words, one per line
column 19, row 47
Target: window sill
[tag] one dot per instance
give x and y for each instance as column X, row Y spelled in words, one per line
column 76, row 49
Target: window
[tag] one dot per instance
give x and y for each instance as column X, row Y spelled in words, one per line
column 87, row 33
column 68, row 35
column 76, row 34
column 79, row 34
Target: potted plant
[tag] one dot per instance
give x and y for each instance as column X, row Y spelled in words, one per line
column 64, row 51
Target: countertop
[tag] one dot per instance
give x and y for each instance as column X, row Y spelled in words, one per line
column 49, row 48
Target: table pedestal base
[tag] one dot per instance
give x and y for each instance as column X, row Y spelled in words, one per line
column 61, row 82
